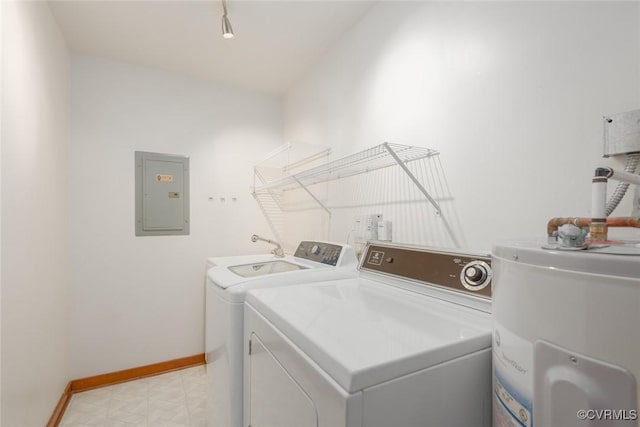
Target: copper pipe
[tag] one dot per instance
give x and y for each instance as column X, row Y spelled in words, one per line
column 554, row 223
column 622, row 221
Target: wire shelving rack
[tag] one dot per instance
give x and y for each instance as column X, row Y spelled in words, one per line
column 270, row 194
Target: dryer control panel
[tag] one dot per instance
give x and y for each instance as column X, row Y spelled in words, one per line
column 457, row 271
column 325, row 253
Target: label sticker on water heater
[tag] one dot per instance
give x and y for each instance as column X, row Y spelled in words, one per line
column 512, row 379
column 375, row 257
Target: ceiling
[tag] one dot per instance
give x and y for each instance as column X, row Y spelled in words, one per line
column 275, row 41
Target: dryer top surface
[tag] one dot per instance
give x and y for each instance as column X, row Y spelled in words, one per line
column 362, row 332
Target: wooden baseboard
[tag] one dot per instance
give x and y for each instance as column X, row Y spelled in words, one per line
column 103, row 380
column 58, row 412
column 89, row 383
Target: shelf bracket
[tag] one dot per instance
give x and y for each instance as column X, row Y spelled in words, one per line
column 421, row 188
column 312, row 196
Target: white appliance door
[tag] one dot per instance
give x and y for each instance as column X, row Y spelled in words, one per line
column 276, row 399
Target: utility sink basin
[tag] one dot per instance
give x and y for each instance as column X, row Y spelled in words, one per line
column 264, row 268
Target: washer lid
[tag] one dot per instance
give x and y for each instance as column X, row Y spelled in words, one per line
column 363, row 333
column 304, row 271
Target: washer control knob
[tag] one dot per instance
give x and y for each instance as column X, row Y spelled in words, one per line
column 315, row 249
column 476, row 275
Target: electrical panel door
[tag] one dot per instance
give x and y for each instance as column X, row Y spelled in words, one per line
column 162, row 194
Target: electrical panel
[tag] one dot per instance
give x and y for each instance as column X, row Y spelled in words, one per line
column 162, row 194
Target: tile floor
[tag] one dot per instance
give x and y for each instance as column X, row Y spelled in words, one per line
column 175, row 399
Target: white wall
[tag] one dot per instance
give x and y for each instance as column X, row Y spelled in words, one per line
column 1, row 133
column 140, row 300
column 35, row 195
column 510, row 93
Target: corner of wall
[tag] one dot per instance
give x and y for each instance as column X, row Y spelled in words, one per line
column 34, row 159
column 2, row 41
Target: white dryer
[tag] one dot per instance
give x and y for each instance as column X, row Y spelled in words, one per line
column 407, row 343
column 225, row 293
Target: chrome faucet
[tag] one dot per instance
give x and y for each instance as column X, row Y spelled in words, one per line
column 277, row 251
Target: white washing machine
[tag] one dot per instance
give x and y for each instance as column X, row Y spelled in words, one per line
column 407, row 343
column 225, row 293
column 566, row 336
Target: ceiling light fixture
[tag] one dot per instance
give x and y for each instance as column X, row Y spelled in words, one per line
column 227, row 31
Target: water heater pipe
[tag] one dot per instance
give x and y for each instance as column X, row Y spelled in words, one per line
column 620, row 175
column 598, row 225
column 582, row 222
column 599, row 222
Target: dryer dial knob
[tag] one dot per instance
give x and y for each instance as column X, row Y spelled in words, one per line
column 315, row 249
column 476, row 275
